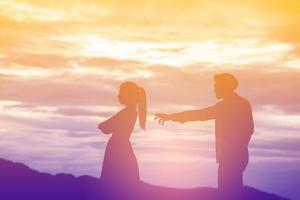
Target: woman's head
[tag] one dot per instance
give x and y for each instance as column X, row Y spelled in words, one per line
column 131, row 95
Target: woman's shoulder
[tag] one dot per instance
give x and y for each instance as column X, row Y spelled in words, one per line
column 126, row 112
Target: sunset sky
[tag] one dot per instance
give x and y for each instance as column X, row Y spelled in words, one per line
column 62, row 61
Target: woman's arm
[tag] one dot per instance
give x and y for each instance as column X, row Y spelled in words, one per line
column 108, row 125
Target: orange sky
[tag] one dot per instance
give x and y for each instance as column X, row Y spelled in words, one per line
column 176, row 33
column 61, row 63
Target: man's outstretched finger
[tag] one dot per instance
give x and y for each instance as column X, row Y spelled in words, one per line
column 161, row 121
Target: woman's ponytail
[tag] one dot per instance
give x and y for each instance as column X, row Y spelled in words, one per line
column 142, row 107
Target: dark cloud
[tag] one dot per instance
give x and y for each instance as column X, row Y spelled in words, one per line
column 289, row 145
column 41, row 61
column 167, row 87
column 82, row 112
column 58, row 90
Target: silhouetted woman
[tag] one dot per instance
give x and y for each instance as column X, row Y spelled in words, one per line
column 120, row 166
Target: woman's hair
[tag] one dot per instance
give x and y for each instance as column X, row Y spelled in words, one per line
column 131, row 93
column 142, row 107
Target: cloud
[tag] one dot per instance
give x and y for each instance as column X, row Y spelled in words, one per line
column 108, row 18
column 95, row 80
column 41, row 61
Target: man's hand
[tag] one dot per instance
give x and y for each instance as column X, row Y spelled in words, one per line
column 162, row 118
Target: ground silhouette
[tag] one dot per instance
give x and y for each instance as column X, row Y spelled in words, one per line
column 19, row 182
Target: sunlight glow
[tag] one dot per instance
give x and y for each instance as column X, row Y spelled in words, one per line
column 187, row 53
column 23, row 11
column 27, row 72
column 117, row 74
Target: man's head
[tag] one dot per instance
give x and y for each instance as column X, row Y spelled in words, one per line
column 225, row 85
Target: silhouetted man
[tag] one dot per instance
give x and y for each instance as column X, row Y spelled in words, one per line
column 233, row 130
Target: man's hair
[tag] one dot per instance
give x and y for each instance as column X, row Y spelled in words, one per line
column 226, row 80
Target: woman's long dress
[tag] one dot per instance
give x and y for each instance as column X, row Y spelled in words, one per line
column 120, row 166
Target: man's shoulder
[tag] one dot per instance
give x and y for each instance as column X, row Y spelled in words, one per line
column 236, row 100
column 243, row 100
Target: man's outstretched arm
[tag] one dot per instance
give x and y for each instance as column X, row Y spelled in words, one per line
column 191, row 115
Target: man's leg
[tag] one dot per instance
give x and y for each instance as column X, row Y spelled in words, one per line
column 230, row 182
column 230, row 178
column 222, row 177
column 237, row 179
